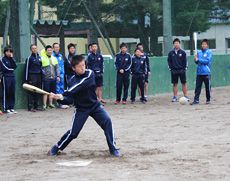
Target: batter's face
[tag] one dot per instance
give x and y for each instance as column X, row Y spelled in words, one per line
column 79, row 69
column 141, row 47
column 138, row 53
column 8, row 53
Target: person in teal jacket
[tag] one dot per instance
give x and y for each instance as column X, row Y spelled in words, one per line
column 203, row 59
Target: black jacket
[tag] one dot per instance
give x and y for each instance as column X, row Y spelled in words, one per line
column 7, row 66
column 95, row 62
column 123, row 61
column 177, row 62
column 81, row 92
column 33, row 65
column 139, row 65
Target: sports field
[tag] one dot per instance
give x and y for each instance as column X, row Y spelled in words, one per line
column 159, row 141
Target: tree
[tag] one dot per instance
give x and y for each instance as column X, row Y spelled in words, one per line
column 191, row 16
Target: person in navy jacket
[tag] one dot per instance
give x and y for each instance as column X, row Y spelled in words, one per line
column 144, row 55
column 33, row 76
column 8, row 65
column 123, row 64
column 81, row 93
column 95, row 62
column 67, row 63
column 138, row 71
column 203, row 59
column 177, row 64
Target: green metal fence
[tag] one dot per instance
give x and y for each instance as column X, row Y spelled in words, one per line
column 159, row 80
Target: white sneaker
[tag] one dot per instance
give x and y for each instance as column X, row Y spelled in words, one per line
column 13, row 111
column 8, row 112
column 64, row 106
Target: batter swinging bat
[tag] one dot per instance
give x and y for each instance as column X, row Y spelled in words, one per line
column 34, row 89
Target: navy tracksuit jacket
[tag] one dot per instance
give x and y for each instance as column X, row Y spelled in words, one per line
column 95, row 62
column 138, row 70
column 33, row 76
column 122, row 61
column 81, row 92
column 7, row 67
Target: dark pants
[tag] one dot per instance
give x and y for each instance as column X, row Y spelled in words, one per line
column 33, row 98
column 199, row 81
column 138, row 79
column 8, row 93
column 100, row 116
column 122, row 81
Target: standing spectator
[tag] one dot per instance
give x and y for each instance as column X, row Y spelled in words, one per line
column 33, row 76
column 51, row 74
column 203, row 59
column 96, row 63
column 138, row 71
column 67, row 64
column 122, row 64
column 1, row 113
column 60, row 84
column 8, row 65
column 177, row 63
column 144, row 55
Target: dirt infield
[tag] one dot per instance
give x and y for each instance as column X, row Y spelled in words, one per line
column 159, row 141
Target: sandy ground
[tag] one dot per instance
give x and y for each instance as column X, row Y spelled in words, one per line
column 159, row 141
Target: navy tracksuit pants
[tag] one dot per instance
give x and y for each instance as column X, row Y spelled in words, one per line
column 137, row 79
column 199, row 81
column 100, row 116
column 122, row 82
column 8, row 92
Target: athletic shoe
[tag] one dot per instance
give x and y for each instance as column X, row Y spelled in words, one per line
column 8, row 112
column 115, row 153
column 44, row 107
column 208, row 102
column 143, row 101
column 124, row 102
column 32, row 110
column 13, row 111
column 132, row 102
column 51, row 106
column 53, row 151
column 116, row 102
column 64, row 106
column 194, row 103
column 174, row 99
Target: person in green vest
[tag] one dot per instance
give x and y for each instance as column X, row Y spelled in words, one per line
column 51, row 74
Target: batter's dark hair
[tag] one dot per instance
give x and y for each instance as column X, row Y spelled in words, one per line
column 176, row 40
column 76, row 59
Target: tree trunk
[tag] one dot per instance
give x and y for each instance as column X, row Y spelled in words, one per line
column 7, row 23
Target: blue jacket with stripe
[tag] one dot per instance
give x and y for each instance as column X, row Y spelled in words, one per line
column 7, row 66
column 123, row 61
column 139, row 65
column 81, row 92
column 204, row 62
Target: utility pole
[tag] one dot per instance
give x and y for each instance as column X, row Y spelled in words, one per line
column 24, row 29
column 167, row 27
